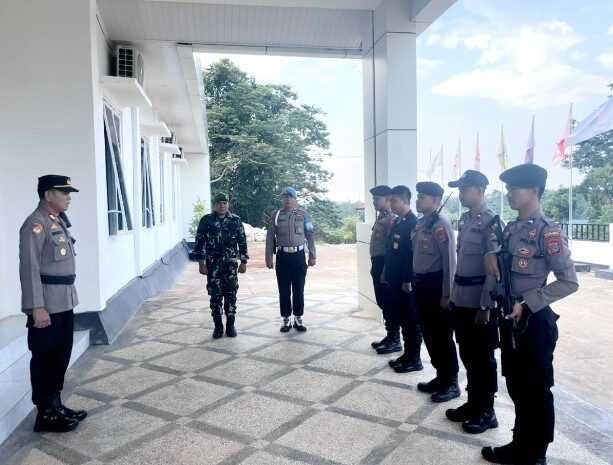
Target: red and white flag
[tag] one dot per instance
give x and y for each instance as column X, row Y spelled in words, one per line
column 561, row 146
column 477, row 161
column 529, row 158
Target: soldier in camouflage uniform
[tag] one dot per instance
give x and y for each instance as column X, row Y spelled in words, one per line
column 220, row 244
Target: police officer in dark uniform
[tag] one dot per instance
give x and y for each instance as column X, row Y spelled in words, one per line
column 475, row 326
column 220, row 244
column 378, row 238
column 537, row 247
column 434, row 261
column 399, row 276
column 289, row 230
column 48, row 297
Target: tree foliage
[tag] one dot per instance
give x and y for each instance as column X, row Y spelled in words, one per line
column 261, row 140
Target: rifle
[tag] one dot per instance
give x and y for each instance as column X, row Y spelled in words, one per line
column 435, row 216
column 501, row 294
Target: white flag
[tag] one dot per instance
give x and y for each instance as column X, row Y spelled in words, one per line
column 438, row 161
column 601, row 120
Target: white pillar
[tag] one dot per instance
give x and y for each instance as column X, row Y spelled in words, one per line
column 48, row 58
column 390, row 116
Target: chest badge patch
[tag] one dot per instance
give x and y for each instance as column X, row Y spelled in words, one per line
column 63, row 252
column 37, row 229
column 62, row 239
column 396, row 236
column 522, row 262
column 53, row 226
column 532, row 233
column 396, row 245
column 523, row 251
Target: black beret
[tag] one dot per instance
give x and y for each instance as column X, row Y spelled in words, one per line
column 429, row 188
column 526, row 175
column 470, row 178
column 55, row 181
column 381, row 191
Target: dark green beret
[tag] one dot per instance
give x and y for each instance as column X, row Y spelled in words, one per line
column 429, row 188
column 470, row 178
column 220, row 197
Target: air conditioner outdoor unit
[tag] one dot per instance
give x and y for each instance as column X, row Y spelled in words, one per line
column 169, row 140
column 129, row 63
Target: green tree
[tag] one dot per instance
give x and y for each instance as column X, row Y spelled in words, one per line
column 261, row 139
column 598, row 188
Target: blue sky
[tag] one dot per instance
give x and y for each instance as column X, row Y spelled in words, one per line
column 484, row 63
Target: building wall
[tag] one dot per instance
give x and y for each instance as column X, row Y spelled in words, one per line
column 52, row 122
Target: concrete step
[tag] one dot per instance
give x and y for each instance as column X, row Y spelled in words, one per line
column 604, row 274
column 15, row 402
column 13, row 340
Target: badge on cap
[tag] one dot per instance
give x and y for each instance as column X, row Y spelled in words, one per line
column 37, row 229
column 522, row 262
column 63, row 252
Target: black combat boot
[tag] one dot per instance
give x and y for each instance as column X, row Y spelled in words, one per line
column 230, row 329
column 78, row 415
column 52, row 420
column 460, row 414
column 412, row 364
column 376, row 344
column 429, row 387
column 508, row 453
column 447, row 392
column 398, row 361
column 482, row 423
column 218, row 331
column 392, row 345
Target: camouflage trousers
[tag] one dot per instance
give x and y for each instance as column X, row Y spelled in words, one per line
column 222, row 285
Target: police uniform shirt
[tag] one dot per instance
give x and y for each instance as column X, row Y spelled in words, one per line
column 538, row 246
column 46, row 247
column 474, row 241
column 399, row 251
column 380, row 231
column 434, row 250
column 292, row 229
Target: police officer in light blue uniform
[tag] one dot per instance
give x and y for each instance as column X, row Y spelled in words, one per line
column 289, row 229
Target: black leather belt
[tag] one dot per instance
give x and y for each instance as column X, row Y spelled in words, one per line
column 50, row 279
column 469, row 280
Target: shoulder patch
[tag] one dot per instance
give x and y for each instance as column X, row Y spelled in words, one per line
column 37, row 229
column 554, row 246
column 442, row 235
column 552, row 233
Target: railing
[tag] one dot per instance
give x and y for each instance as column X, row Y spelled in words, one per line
column 588, row 232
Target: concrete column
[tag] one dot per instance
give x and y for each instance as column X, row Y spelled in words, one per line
column 47, row 127
column 390, row 116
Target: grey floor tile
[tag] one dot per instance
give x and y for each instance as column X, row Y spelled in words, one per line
column 128, row 382
column 190, row 360
column 350, row 363
column 307, row 385
column 143, row 350
column 243, row 371
column 289, row 351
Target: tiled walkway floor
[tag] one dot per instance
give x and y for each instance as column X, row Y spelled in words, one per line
column 166, row 393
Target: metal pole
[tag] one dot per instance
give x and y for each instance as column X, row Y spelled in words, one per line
column 570, row 200
column 442, row 167
column 501, row 201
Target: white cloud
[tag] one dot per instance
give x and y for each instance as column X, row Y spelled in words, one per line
column 526, row 67
column 610, row 31
column 606, row 60
column 426, row 65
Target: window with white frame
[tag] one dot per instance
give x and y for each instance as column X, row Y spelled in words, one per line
column 117, row 199
column 162, row 190
column 148, row 212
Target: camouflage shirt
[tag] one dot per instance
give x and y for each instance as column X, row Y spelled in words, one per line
column 221, row 238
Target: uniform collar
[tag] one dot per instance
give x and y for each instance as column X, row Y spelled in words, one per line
column 387, row 212
column 48, row 213
column 538, row 214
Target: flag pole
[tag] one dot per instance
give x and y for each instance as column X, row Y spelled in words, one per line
column 430, row 177
column 442, row 166
column 570, row 188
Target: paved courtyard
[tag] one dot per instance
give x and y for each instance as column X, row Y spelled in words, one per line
column 167, row 393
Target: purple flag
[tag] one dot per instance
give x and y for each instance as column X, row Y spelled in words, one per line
column 530, row 148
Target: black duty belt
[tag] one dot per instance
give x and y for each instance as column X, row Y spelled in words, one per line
column 425, row 276
column 469, row 280
column 50, row 279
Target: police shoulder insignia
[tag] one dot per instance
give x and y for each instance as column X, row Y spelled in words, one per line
column 552, row 233
column 554, row 246
column 442, row 236
column 37, row 229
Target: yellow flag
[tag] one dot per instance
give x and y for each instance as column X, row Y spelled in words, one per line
column 502, row 152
